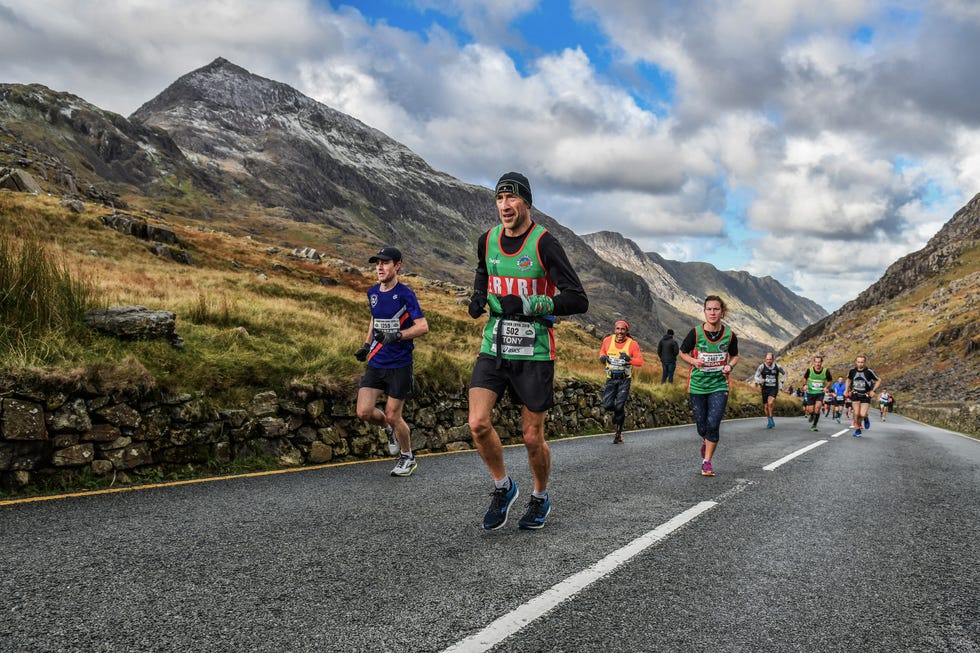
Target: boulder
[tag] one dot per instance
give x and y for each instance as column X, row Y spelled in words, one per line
column 18, row 180
column 135, row 323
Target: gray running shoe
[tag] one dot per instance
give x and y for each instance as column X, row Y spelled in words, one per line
column 405, row 466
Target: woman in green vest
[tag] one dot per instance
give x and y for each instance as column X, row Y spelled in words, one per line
column 711, row 349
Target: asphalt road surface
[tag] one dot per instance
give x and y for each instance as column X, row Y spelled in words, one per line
column 853, row 544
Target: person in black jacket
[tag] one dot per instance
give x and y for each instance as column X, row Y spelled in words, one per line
column 667, row 350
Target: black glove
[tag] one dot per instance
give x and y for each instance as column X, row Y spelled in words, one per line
column 477, row 302
column 511, row 305
column 604, row 359
column 387, row 337
column 362, row 353
column 625, row 356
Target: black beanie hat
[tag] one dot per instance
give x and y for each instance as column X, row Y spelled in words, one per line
column 516, row 183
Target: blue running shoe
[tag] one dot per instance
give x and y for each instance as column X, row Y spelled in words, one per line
column 537, row 511
column 857, row 433
column 867, row 423
column 496, row 515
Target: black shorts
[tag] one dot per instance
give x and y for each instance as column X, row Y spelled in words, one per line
column 769, row 392
column 812, row 399
column 858, row 398
column 838, row 401
column 531, row 383
column 397, row 383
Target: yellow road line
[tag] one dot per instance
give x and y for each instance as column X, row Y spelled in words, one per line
column 271, row 472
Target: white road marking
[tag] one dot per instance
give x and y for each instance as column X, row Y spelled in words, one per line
column 840, row 433
column 543, row 603
column 799, row 452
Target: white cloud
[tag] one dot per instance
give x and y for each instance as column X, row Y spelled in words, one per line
column 837, row 141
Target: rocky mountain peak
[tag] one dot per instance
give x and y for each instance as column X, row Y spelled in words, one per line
column 762, row 308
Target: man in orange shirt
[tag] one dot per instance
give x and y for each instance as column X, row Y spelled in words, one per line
column 620, row 354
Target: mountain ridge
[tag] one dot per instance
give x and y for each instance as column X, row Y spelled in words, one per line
column 684, row 285
column 917, row 323
column 220, row 140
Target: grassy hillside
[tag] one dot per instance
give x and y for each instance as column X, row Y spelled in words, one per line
column 252, row 317
column 923, row 343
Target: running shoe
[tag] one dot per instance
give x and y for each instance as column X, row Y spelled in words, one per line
column 867, row 423
column 618, row 439
column 772, row 423
column 496, row 515
column 393, row 447
column 857, row 433
column 405, row 466
column 854, row 425
column 537, row 511
column 706, row 469
column 813, row 427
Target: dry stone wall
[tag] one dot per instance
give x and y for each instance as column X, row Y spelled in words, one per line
column 64, row 435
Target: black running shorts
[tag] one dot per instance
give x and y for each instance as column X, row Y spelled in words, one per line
column 397, row 383
column 531, row 383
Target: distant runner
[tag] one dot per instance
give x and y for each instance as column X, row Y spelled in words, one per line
column 711, row 349
column 815, row 378
column 769, row 376
column 839, row 389
column 862, row 383
column 884, row 402
column 620, row 354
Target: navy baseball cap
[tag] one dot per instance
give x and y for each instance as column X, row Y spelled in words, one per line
column 386, row 254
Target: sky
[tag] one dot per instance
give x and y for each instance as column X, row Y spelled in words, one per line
column 813, row 141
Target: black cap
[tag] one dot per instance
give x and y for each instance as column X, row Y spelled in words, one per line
column 516, row 183
column 386, row 254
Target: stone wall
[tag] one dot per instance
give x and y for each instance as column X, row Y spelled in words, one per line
column 63, row 435
column 962, row 418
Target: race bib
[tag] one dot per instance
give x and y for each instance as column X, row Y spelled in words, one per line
column 389, row 325
column 517, row 338
column 617, row 363
column 713, row 361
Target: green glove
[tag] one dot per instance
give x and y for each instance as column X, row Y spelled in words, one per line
column 538, row 305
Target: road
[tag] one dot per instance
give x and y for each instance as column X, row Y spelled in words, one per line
column 855, row 544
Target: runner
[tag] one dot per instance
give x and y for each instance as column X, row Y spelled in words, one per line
column 884, row 399
column 815, row 379
column 620, row 354
column 769, row 376
column 862, row 383
column 838, row 389
column 396, row 320
column 524, row 276
column 711, row 349
column 828, row 400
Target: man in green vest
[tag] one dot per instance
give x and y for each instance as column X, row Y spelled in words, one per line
column 524, row 277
